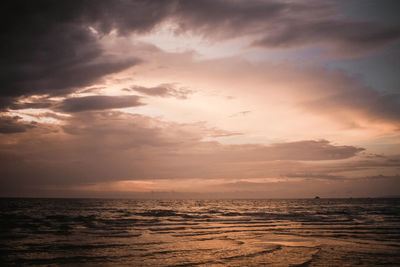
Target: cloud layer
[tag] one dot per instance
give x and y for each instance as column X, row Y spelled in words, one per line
column 105, row 146
column 53, row 48
column 163, row 90
column 10, row 125
column 89, row 99
column 98, row 102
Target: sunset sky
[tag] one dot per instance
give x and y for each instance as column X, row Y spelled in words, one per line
column 203, row 98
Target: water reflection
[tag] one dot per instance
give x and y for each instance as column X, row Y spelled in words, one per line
column 200, row 232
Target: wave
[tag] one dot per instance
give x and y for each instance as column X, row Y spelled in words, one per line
column 182, row 233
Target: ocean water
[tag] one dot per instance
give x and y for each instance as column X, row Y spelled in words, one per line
column 104, row 232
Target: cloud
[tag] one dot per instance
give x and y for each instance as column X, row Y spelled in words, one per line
column 309, row 150
column 285, row 24
column 139, row 16
column 341, row 36
column 225, row 19
column 98, row 102
column 102, row 147
column 163, row 90
column 109, row 145
column 10, row 125
column 31, row 103
column 312, row 150
column 329, row 93
column 311, row 101
column 54, row 48
column 355, row 100
column 48, row 48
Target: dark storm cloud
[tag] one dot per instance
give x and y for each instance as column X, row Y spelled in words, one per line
column 126, row 16
column 87, row 103
column 10, row 125
column 355, row 37
column 285, row 24
column 56, row 62
column 48, row 47
column 163, row 90
column 228, row 18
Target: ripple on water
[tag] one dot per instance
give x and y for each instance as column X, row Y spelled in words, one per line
column 206, row 232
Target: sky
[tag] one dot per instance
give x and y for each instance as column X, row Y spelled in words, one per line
column 200, row 99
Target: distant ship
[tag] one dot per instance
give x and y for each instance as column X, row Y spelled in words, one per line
column 317, row 197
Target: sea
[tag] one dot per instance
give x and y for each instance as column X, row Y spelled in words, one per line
column 126, row 232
